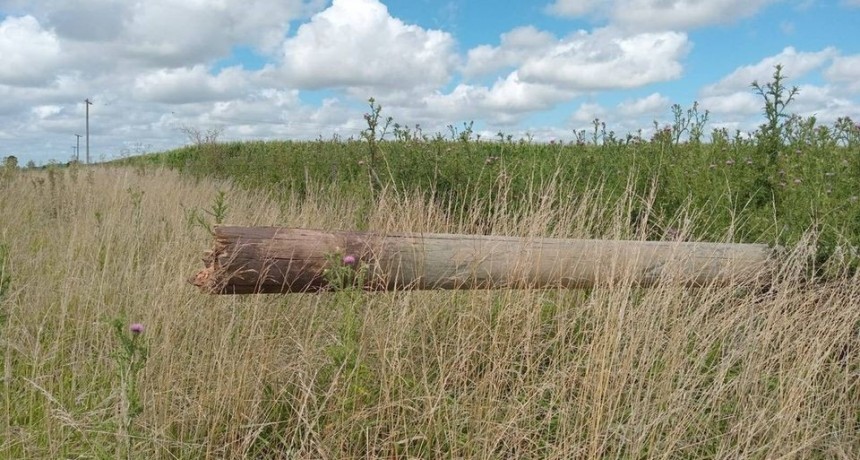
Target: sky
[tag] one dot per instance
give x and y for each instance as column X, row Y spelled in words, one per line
column 156, row 70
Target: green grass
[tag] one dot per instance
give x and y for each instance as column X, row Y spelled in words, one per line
column 742, row 193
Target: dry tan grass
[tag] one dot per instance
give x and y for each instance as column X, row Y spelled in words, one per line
column 716, row 372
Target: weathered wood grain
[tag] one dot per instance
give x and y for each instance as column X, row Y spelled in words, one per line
column 282, row 260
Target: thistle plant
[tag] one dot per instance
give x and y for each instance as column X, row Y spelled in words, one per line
column 346, row 275
column 776, row 99
column 403, row 133
column 598, row 136
column 693, row 123
column 769, row 138
column 130, row 358
column 846, row 132
column 377, row 128
column 344, row 272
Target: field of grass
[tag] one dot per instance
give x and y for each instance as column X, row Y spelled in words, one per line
column 668, row 372
column 744, row 188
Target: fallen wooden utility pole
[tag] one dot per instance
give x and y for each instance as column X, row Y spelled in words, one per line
column 281, row 260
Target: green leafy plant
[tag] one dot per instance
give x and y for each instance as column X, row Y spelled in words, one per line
column 219, row 208
column 217, row 213
column 693, row 123
column 598, row 134
column 377, row 128
column 464, row 136
column 776, row 99
column 846, row 132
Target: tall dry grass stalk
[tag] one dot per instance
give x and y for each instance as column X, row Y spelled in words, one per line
column 669, row 372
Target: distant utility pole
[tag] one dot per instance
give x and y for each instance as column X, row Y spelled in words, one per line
column 87, row 100
column 78, row 149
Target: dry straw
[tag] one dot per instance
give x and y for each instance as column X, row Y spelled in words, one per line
column 668, row 372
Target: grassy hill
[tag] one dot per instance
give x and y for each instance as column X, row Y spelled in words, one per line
column 739, row 188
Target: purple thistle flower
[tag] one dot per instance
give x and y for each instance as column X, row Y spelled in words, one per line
column 136, row 328
column 349, row 260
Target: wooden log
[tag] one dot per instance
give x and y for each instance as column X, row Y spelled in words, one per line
column 282, row 260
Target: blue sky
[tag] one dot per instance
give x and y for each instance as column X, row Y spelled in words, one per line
column 301, row 69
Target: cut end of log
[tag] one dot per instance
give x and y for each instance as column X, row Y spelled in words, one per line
column 211, row 279
column 203, row 279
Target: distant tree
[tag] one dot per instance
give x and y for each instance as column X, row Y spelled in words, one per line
column 11, row 162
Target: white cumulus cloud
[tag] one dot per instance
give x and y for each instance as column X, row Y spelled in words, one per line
column 795, row 64
column 170, row 33
column 682, row 14
column 357, row 43
column 823, row 103
column 194, row 84
column 628, row 116
column 573, row 8
column 30, row 53
column 736, row 104
column 606, row 59
column 515, row 47
column 844, row 74
column 650, row 105
column 173, row 32
column 658, row 15
column 589, row 111
column 505, row 102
